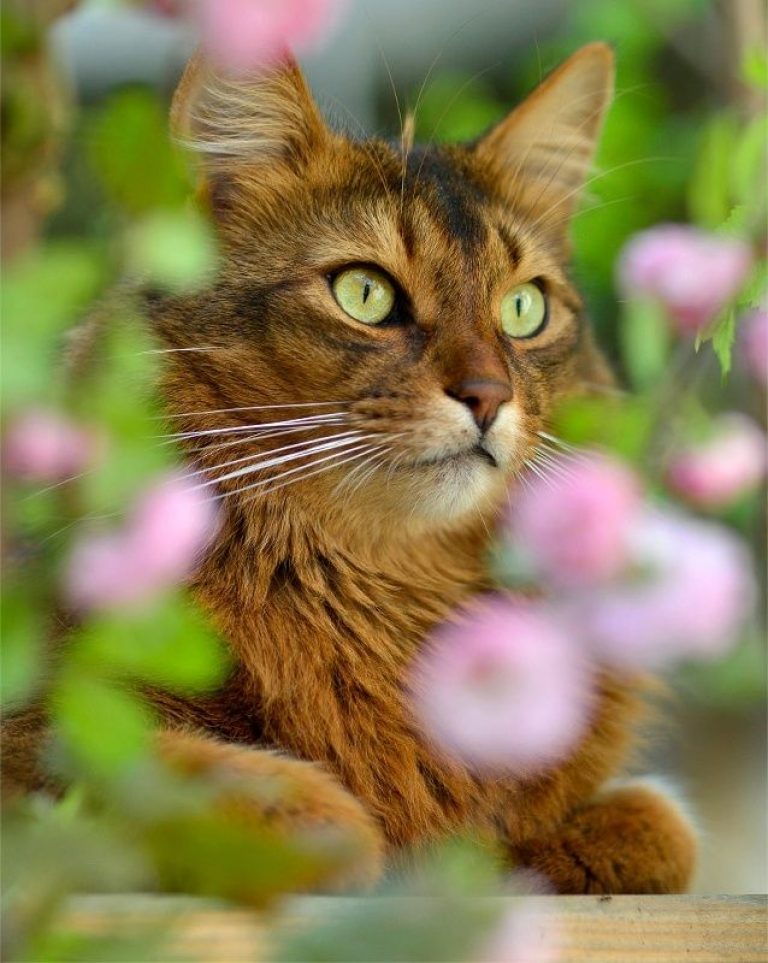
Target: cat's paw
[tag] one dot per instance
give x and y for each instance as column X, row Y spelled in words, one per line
column 633, row 838
column 262, row 789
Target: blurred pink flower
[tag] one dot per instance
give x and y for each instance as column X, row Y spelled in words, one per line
column 168, row 8
column 692, row 273
column 159, row 546
column 243, row 35
column 573, row 527
column 731, row 462
column 753, row 345
column 691, row 592
column 502, row 689
column 526, row 933
column 42, row 445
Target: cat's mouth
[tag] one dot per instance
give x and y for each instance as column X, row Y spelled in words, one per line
column 477, row 451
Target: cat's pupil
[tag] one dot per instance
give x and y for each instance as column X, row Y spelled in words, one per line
column 519, row 305
column 366, row 291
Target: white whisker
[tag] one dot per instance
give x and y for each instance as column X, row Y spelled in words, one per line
column 207, row 347
column 359, row 468
column 282, row 459
column 224, row 411
column 234, row 429
column 567, row 446
column 263, row 436
column 335, row 463
column 273, row 451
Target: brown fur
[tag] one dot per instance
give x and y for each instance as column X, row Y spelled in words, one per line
column 326, row 592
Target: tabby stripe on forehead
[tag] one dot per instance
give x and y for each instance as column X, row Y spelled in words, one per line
column 451, row 198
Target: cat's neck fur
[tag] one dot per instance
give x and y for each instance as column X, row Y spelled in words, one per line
column 326, row 630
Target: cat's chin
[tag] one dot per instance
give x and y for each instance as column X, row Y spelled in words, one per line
column 448, row 489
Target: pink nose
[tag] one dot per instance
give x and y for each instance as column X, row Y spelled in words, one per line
column 483, row 398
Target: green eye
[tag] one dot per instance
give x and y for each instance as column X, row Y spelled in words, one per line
column 523, row 311
column 365, row 294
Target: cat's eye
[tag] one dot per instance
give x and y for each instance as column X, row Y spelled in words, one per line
column 523, row 311
column 365, row 294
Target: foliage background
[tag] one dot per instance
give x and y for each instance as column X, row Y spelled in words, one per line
column 91, row 190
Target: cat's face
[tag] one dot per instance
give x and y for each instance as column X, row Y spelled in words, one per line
column 411, row 305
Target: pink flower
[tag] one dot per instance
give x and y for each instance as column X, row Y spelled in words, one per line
column 502, row 689
column 41, row 445
column 692, row 273
column 731, row 462
column 691, row 593
column 753, row 345
column 573, row 527
column 168, row 8
column 526, row 934
column 243, row 35
column 159, row 546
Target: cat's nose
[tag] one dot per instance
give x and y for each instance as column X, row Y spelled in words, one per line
column 483, row 398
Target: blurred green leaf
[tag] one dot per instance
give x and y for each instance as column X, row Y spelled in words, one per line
column 170, row 645
column 104, row 729
column 436, row 921
column 722, row 340
column 620, row 425
column 172, row 249
column 131, row 151
column 645, row 341
column 212, row 853
column 23, row 623
column 709, row 194
column 41, row 296
column 121, row 396
column 754, row 68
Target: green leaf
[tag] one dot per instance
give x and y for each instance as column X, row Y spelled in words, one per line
column 645, row 341
column 170, row 646
column 621, row 425
column 709, row 193
column 23, row 621
column 173, row 249
column 748, row 170
column 42, row 295
column 723, row 339
column 131, row 151
column 104, row 729
column 754, row 68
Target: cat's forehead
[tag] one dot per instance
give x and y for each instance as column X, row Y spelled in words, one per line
column 423, row 212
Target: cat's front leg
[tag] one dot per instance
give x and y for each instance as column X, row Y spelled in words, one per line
column 631, row 838
column 268, row 790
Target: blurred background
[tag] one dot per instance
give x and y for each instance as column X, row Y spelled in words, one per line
column 687, row 75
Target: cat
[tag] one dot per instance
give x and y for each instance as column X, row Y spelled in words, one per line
column 409, row 308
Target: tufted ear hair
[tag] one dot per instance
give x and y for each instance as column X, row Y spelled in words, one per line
column 539, row 156
column 264, row 119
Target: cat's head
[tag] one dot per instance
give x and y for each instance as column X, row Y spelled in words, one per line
column 410, row 304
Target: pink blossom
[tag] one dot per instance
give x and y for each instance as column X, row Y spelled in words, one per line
column 157, row 548
column 692, row 273
column 690, row 595
column 573, row 528
column 502, row 689
column 728, row 464
column 42, row 445
column 753, row 345
column 527, row 933
column 168, row 8
column 243, row 35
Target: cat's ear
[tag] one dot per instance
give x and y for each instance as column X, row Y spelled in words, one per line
column 264, row 120
column 539, row 156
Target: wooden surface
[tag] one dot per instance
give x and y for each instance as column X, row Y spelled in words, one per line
column 618, row 929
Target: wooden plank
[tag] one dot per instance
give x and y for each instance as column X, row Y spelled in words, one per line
column 618, row 929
